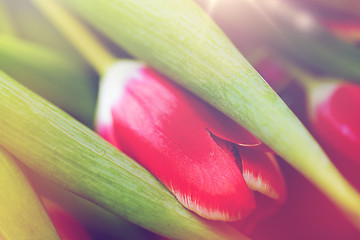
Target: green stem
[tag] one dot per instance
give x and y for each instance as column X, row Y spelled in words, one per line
column 79, row 36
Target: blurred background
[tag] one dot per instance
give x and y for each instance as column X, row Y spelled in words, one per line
column 318, row 37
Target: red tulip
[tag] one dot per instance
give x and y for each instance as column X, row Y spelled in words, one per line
column 336, row 117
column 66, row 226
column 212, row 165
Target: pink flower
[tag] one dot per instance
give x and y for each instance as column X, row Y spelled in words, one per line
column 335, row 117
column 212, row 165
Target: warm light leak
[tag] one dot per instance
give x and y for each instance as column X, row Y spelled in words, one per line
column 210, row 7
column 298, row 17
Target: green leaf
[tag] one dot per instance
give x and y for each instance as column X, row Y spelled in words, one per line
column 61, row 149
column 50, row 74
column 181, row 41
column 22, row 214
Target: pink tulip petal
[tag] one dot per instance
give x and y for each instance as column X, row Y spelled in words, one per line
column 337, row 120
column 111, row 87
column 225, row 128
column 262, row 173
column 259, row 169
column 157, row 124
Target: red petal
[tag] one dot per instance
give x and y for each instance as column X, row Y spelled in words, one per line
column 227, row 129
column 337, row 121
column 157, row 124
column 224, row 127
column 262, row 173
column 111, row 87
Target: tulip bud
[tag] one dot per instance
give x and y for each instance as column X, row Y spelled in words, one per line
column 335, row 117
column 37, row 133
column 211, row 164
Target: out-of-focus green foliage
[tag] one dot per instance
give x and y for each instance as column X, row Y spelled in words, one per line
column 50, row 74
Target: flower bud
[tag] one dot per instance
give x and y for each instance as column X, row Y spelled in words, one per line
column 335, row 117
column 212, row 165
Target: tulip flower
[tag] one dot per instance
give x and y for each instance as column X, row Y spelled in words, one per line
column 187, row 225
column 335, row 117
column 231, row 198
column 211, row 164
